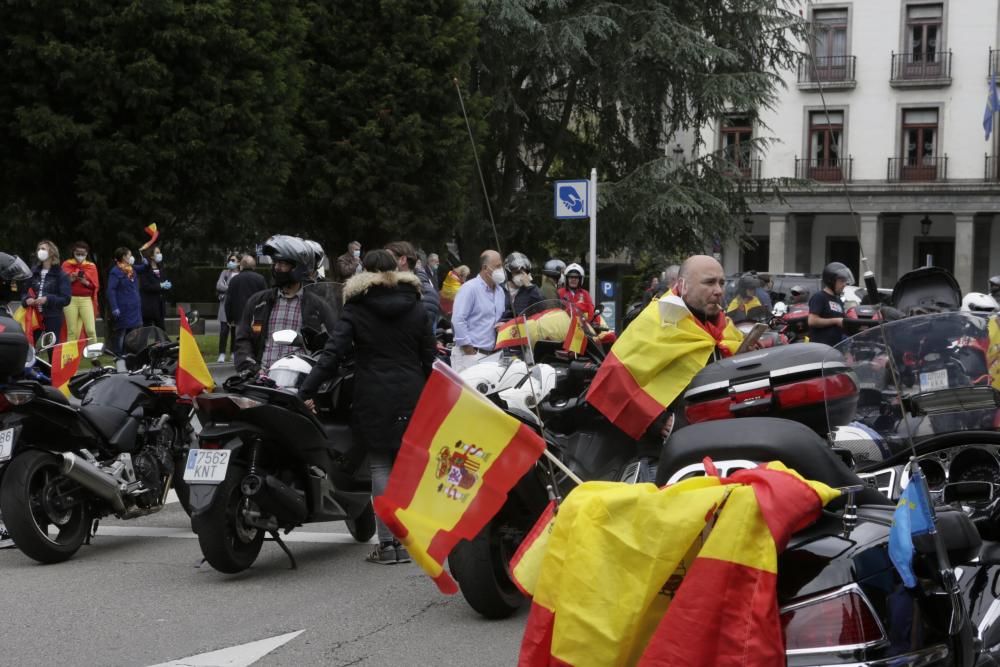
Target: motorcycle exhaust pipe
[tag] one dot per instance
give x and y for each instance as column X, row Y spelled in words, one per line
column 275, row 497
column 92, row 478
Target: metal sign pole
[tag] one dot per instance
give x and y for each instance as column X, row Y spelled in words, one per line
column 592, row 205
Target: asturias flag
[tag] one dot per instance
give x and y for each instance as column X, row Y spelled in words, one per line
column 66, row 362
column 628, row 577
column 460, row 456
column 992, row 106
column 913, row 516
column 652, row 363
column 192, row 372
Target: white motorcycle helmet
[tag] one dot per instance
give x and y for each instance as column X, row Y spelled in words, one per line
column 289, row 372
column 780, row 309
column 977, row 302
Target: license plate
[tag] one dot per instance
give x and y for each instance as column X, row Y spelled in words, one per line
column 6, row 443
column 207, row 466
column 934, row 380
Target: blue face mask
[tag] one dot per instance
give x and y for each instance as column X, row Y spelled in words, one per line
column 231, row 265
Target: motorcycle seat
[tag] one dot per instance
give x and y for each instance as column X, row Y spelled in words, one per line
column 961, row 537
column 54, row 395
column 764, row 439
column 340, row 436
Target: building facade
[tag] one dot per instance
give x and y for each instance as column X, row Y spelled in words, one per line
column 905, row 84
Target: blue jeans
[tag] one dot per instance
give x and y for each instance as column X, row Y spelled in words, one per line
column 380, row 465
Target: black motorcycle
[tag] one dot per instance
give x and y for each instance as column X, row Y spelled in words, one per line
column 64, row 466
column 265, row 462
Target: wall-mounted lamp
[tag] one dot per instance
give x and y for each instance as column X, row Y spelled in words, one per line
column 748, row 225
column 925, row 226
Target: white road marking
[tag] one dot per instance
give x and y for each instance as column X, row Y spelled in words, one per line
column 235, row 656
column 171, row 497
column 185, row 533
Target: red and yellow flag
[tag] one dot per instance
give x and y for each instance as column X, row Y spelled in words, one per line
column 66, row 362
column 192, row 373
column 552, row 324
column 678, row 598
column 651, row 364
column 993, row 352
column 513, row 333
column 576, row 337
column 30, row 319
column 526, row 564
column 460, row 456
column 449, row 289
column 153, row 233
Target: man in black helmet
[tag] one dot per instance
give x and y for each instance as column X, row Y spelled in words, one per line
column 826, row 310
column 284, row 306
column 995, row 287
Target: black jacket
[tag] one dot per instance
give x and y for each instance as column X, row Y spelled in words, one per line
column 253, row 330
column 385, row 325
column 57, row 291
column 154, row 306
column 525, row 298
column 242, row 286
column 429, row 295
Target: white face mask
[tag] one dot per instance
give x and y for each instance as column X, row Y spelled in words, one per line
column 522, row 280
column 498, row 276
column 80, row 258
column 356, row 253
column 130, row 260
column 158, row 257
column 43, row 254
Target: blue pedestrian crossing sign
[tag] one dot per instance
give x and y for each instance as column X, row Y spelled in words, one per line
column 572, row 200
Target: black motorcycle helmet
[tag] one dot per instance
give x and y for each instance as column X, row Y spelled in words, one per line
column 554, row 268
column 747, row 283
column 13, row 269
column 835, row 271
column 995, row 286
column 295, row 251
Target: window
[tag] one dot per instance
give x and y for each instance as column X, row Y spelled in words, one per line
column 830, row 44
column 923, row 32
column 920, row 144
column 737, row 133
column 825, row 137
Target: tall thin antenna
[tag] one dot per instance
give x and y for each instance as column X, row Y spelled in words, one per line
column 475, row 154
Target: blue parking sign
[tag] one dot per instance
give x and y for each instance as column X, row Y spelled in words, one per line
column 608, row 289
column 572, row 199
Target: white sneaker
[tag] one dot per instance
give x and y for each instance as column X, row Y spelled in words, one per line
column 222, row 358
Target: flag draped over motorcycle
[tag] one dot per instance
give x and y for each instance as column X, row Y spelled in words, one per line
column 677, row 598
column 552, row 324
column 192, row 373
column 653, row 361
column 460, row 456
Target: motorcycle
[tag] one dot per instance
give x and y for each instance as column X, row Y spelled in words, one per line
column 63, row 467
column 265, row 462
column 924, row 397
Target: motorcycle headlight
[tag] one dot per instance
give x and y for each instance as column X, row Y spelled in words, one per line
column 19, row 396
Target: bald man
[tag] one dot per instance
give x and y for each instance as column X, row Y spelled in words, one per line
column 478, row 306
column 702, row 283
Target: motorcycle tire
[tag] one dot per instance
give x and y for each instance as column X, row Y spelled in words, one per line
column 29, row 503
column 480, row 566
column 362, row 528
column 229, row 545
column 180, row 487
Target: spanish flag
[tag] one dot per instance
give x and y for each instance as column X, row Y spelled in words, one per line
column 192, row 373
column 30, row 319
column 460, row 456
column 513, row 333
column 993, row 352
column 66, row 362
column 576, row 337
column 526, row 564
column 449, row 289
column 153, row 233
column 553, row 324
column 654, row 360
column 677, row 597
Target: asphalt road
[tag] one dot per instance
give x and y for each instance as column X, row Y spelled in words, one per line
column 137, row 597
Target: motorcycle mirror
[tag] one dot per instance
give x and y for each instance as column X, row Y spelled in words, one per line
column 192, row 316
column 968, row 492
column 47, row 340
column 285, row 336
column 93, row 351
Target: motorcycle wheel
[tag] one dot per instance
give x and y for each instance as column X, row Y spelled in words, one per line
column 227, row 543
column 33, row 497
column 362, row 528
column 480, row 566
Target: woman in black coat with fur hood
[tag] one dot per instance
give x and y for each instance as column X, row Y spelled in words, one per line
column 386, row 327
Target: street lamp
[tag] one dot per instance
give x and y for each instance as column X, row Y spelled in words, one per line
column 748, row 226
column 678, row 153
column 925, row 226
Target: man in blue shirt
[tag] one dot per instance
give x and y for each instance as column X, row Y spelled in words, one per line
column 478, row 306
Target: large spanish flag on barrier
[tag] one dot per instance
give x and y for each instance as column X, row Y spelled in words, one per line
column 678, row 598
column 553, row 324
column 651, row 364
column 192, row 372
column 66, row 362
column 460, row 456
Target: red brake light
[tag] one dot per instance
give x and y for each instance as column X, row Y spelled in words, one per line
column 844, row 619
column 210, row 444
column 708, row 411
column 216, row 407
column 815, row 391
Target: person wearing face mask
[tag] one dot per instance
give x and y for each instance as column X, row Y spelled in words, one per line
column 153, row 286
column 521, row 292
column 84, row 284
column 284, row 306
column 226, row 332
column 479, row 304
column 123, row 297
column 48, row 289
column 349, row 263
column 574, row 292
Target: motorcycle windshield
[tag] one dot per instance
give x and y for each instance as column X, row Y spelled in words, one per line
column 331, row 292
column 914, row 379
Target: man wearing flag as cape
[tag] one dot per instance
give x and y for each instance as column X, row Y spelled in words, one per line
column 664, row 348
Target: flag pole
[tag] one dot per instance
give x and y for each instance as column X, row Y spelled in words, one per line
column 562, row 466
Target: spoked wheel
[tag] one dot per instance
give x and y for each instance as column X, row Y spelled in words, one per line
column 363, row 527
column 227, row 541
column 46, row 513
column 481, row 567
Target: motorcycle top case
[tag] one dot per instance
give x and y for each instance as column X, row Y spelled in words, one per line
column 806, row 382
column 13, row 348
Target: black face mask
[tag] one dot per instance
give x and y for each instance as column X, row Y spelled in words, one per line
column 282, row 278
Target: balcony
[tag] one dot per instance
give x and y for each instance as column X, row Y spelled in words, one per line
column 921, row 70
column 927, row 169
column 827, row 73
column 824, row 170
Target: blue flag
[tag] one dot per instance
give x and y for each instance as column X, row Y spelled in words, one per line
column 992, row 106
column 913, row 516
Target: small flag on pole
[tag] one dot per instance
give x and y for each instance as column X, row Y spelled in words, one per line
column 992, row 106
column 154, row 234
column 192, row 372
column 913, row 516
